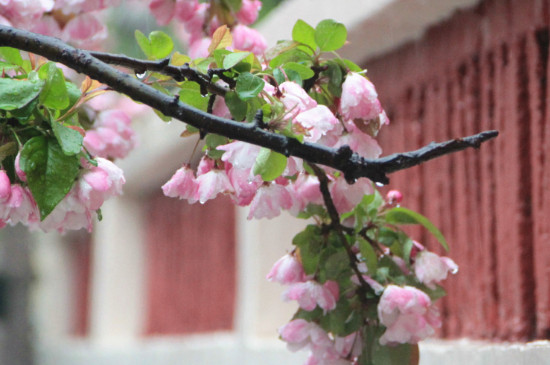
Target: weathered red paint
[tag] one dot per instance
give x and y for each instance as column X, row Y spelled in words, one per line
column 484, row 68
column 191, row 266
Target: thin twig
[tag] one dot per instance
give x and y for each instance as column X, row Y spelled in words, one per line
column 178, row 73
column 335, row 223
column 344, row 159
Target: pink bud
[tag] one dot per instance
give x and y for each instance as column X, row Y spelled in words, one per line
column 394, row 197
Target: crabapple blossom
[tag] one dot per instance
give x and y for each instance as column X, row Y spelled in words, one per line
column 182, row 185
column 211, row 182
column 248, row 13
column 309, row 294
column 299, row 334
column 430, row 268
column 248, row 39
column 317, row 121
column 268, row 201
column 359, row 98
column 346, row 196
column 111, row 135
column 287, row 270
column 408, row 315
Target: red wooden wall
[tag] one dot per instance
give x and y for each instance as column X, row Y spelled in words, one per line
column 485, row 68
column 190, row 265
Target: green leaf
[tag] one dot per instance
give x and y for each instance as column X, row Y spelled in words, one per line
column 334, row 72
column 401, row 215
column 15, row 94
column 234, row 58
column 304, row 71
column 158, row 45
column 304, row 33
column 4, row 66
column 269, row 164
column 233, row 5
column 330, row 35
column 236, row 106
column 69, row 139
column 368, row 253
column 335, row 265
column 50, row 173
column 335, row 320
column 190, row 94
column 248, row 86
column 292, row 55
column 310, row 243
column 348, row 65
column 54, row 93
column 11, row 55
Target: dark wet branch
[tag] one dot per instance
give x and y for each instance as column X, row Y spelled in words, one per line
column 178, row 73
column 344, row 159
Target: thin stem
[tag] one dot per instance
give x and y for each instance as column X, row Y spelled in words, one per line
column 178, row 73
column 335, row 223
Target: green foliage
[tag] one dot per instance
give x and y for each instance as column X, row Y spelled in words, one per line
column 269, row 164
column 54, row 93
column 16, row 94
column 69, row 139
column 248, row 86
column 50, row 172
column 330, row 35
column 157, row 46
column 190, row 94
column 11, row 55
column 401, row 215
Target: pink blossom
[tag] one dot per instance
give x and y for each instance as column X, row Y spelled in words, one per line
column 212, row 183
column 317, row 121
column 199, row 48
column 300, row 334
column 295, row 99
column 408, row 315
column 84, row 31
column 241, row 155
column 430, row 268
column 310, row 294
column 359, row 142
column 245, row 185
column 347, row 196
column 5, row 186
column 22, row 207
column 249, row 11
column 163, row 10
column 304, row 191
column 268, row 201
column 359, row 98
column 182, row 185
column 70, row 214
column 186, row 9
column 112, row 135
column 20, row 173
column 248, row 39
column 287, row 270
column 99, row 183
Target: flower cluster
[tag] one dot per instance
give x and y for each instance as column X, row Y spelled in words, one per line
column 199, row 20
column 397, row 314
column 74, row 21
column 233, row 173
column 77, row 210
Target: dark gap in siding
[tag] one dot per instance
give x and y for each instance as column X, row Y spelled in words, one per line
column 491, row 147
column 543, row 42
column 524, row 191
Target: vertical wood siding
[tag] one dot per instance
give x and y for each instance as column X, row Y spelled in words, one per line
column 191, row 266
column 485, row 68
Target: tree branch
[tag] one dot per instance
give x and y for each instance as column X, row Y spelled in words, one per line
column 344, row 159
column 178, row 73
